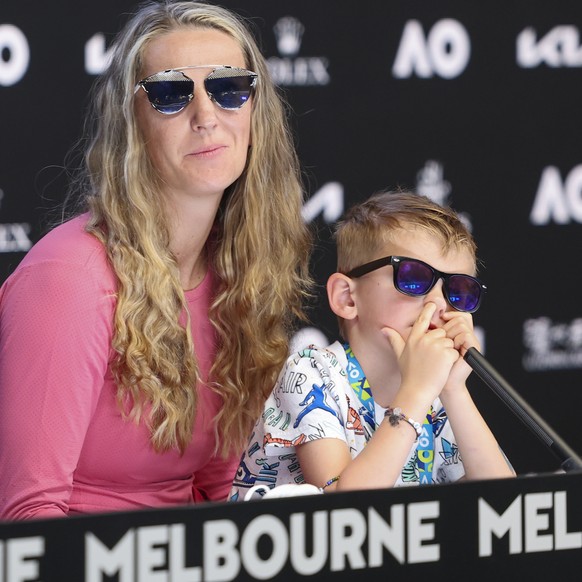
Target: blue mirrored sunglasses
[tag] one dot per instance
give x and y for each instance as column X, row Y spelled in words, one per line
column 170, row 91
column 416, row 278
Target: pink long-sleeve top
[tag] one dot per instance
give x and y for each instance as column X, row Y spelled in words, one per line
column 64, row 447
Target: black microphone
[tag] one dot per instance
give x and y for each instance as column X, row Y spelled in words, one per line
column 570, row 460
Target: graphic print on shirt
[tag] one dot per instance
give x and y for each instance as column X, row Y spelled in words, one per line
column 354, row 423
column 315, row 400
column 267, row 474
column 270, row 440
column 271, row 419
column 438, row 421
column 410, row 471
column 450, row 452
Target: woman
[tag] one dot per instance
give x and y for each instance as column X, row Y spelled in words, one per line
column 139, row 340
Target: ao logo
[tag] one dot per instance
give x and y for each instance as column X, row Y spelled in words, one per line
column 14, row 55
column 558, row 200
column 445, row 51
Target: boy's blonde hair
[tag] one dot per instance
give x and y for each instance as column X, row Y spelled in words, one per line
column 367, row 227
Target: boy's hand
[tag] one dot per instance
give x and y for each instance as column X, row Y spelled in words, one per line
column 428, row 355
column 459, row 328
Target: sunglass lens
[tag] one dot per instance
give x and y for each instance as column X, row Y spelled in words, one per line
column 464, row 292
column 414, row 278
column 232, row 91
column 169, row 92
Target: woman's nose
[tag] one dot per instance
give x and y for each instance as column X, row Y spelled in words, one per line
column 202, row 108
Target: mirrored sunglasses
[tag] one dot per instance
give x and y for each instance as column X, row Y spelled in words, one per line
column 170, row 91
column 416, row 278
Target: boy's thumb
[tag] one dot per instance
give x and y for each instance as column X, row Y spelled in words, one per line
column 394, row 339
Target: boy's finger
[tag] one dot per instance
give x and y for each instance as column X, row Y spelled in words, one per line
column 395, row 340
column 422, row 324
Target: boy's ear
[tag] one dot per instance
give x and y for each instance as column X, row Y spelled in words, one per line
column 340, row 296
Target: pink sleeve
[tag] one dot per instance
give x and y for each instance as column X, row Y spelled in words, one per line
column 55, row 334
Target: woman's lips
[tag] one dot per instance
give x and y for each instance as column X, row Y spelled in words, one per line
column 208, row 152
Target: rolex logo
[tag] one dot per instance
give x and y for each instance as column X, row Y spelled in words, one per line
column 289, row 69
column 14, row 238
column 288, row 33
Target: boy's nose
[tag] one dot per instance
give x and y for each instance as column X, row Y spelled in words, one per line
column 436, row 295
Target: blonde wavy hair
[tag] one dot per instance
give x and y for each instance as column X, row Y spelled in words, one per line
column 259, row 247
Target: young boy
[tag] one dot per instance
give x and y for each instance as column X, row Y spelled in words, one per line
column 389, row 406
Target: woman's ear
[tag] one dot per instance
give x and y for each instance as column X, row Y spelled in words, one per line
column 340, row 290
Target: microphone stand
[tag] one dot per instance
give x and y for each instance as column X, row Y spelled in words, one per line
column 570, row 461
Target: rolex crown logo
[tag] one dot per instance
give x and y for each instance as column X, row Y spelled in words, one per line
column 288, row 32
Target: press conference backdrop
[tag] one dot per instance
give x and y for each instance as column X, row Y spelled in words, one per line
column 477, row 105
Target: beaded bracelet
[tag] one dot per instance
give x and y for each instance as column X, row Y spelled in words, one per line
column 395, row 415
column 332, row 480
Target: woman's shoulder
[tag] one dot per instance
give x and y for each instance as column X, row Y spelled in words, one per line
column 68, row 241
column 65, row 250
